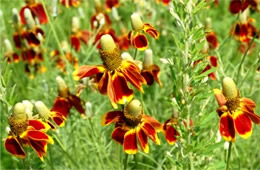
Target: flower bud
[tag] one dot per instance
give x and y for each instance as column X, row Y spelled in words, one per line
column 107, row 43
column 19, row 112
column 229, row 88
column 115, row 14
column 136, row 21
column 28, row 107
column 41, row 108
column 75, row 24
column 29, row 18
column 16, row 18
column 88, row 111
column 134, row 108
column 148, row 57
column 62, row 87
column 8, row 46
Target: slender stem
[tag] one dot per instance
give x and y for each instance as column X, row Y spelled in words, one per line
column 136, row 162
column 51, row 162
column 135, row 54
column 125, row 161
column 229, row 154
column 244, row 56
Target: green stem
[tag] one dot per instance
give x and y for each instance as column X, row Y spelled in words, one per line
column 135, row 54
column 244, row 56
column 51, row 162
column 229, row 154
column 125, row 161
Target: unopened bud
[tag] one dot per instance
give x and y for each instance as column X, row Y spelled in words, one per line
column 148, row 57
column 29, row 18
column 19, row 112
column 107, row 43
column 8, row 46
column 40, row 37
column 88, row 111
column 134, row 108
column 136, row 21
column 75, row 24
column 62, row 86
column 41, row 108
column 126, row 56
column 115, row 14
column 28, row 107
column 16, row 18
column 229, row 88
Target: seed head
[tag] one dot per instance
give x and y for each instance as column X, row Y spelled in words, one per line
column 41, row 108
column 19, row 112
column 107, row 43
column 229, row 88
column 148, row 57
column 29, row 18
column 136, row 21
column 75, row 24
column 62, row 87
column 134, row 108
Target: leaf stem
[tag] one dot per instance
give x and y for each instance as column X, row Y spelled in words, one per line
column 125, row 161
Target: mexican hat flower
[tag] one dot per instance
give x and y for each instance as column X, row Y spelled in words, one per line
column 136, row 36
column 10, row 55
column 26, row 132
column 46, row 115
column 237, row 6
column 111, row 4
column 65, row 101
column 132, row 126
column 211, row 36
column 236, row 113
column 150, row 71
column 78, row 35
column 37, row 10
column 113, row 75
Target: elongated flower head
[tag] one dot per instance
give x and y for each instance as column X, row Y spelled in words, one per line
column 16, row 18
column 18, row 120
column 28, row 108
column 29, row 18
column 43, row 111
column 62, row 87
column 229, row 88
column 133, row 113
column 136, row 21
column 75, row 24
column 8, row 46
column 148, row 57
column 109, row 53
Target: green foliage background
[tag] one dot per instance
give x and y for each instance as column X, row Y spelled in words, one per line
column 85, row 144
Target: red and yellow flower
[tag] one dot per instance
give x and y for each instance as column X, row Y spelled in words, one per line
column 150, row 71
column 112, row 4
column 237, row 6
column 213, row 62
column 164, row 2
column 10, row 55
column 26, row 132
column 132, row 126
column 113, row 75
column 37, row 10
column 211, row 36
column 136, row 37
column 64, row 102
column 236, row 113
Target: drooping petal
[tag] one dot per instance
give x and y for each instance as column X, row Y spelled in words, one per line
column 220, row 97
column 150, row 132
column 40, row 147
column 75, row 42
column 110, row 117
column 130, row 143
column 62, row 106
column 152, row 73
column 226, row 127
column 155, row 123
column 148, row 77
column 37, row 135
column 84, row 36
column 77, row 103
column 118, row 135
column 121, row 90
column 58, row 118
column 140, row 42
column 38, row 10
column 170, row 134
column 13, row 147
column 143, row 141
column 86, row 71
column 235, row 6
column 212, row 40
column 111, row 3
column 17, row 40
column 213, row 61
column 132, row 74
column 31, row 38
column 21, row 13
column 51, row 125
column 149, row 29
column 39, row 125
column 15, row 57
column 243, row 124
column 249, row 102
column 102, row 84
